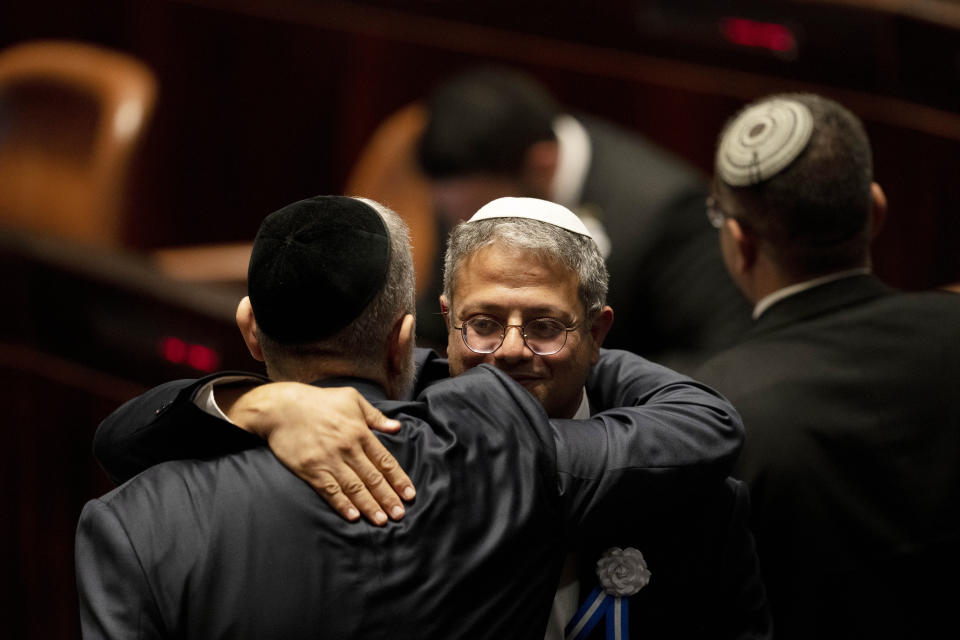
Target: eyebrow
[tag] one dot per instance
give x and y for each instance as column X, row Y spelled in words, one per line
column 542, row 311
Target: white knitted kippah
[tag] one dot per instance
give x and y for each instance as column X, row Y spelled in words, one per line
column 533, row 209
column 763, row 141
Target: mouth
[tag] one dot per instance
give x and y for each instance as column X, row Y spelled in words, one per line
column 525, row 378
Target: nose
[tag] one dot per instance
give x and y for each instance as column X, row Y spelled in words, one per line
column 513, row 347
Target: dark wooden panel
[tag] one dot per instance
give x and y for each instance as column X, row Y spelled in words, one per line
column 262, row 103
column 81, row 332
column 51, row 409
column 265, row 102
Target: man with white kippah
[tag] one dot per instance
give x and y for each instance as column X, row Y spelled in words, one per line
column 525, row 292
column 532, row 265
column 493, row 132
column 520, row 262
column 845, row 385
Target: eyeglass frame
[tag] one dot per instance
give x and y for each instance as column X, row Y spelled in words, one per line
column 715, row 215
column 523, row 334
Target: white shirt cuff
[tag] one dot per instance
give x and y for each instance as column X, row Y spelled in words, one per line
column 204, row 397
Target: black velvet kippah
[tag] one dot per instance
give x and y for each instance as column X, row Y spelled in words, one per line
column 315, row 266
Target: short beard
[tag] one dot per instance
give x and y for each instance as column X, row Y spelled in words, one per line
column 403, row 383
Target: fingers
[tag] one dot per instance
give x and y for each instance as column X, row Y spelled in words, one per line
column 375, row 418
column 382, row 459
column 353, row 484
column 365, row 484
column 384, row 462
column 324, row 437
column 358, row 487
column 347, row 497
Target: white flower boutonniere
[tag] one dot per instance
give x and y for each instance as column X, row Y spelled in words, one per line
column 622, row 572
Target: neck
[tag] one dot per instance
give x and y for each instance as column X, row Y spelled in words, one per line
column 311, row 370
column 767, row 277
column 802, row 285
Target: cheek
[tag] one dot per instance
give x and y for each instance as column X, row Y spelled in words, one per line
column 460, row 358
column 569, row 371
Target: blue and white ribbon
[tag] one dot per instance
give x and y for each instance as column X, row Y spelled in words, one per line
column 600, row 605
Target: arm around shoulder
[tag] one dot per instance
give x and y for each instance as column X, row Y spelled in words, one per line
column 670, row 420
column 164, row 424
column 666, row 437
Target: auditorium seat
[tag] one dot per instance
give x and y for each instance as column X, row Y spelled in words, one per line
column 385, row 171
column 71, row 114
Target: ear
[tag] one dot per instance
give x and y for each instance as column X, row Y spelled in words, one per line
column 445, row 310
column 878, row 209
column 598, row 331
column 400, row 343
column 248, row 328
column 745, row 247
column 540, row 165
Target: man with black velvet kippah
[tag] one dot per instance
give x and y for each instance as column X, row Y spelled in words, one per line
column 329, row 266
column 235, row 546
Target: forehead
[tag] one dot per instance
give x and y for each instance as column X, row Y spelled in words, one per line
column 505, row 279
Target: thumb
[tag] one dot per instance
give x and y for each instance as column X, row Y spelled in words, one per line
column 376, row 420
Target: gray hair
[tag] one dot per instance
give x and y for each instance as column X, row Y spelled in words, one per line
column 363, row 340
column 574, row 251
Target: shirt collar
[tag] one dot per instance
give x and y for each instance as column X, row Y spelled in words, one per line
column 768, row 301
column 583, row 411
column 573, row 160
column 368, row 389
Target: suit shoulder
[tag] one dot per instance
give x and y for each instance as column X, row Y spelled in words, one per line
column 199, row 483
column 483, row 392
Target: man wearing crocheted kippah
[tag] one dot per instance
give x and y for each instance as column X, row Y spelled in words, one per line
column 853, row 448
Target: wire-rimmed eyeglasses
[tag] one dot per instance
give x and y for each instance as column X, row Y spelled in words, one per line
column 543, row 336
column 715, row 214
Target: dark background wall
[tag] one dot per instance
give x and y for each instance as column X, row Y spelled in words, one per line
column 265, row 102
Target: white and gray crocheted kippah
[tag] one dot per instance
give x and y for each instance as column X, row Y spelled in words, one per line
column 763, row 141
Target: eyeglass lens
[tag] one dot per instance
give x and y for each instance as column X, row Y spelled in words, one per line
column 544, row 336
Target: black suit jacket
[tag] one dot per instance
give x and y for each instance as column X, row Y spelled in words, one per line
column 236, row 547
column 848, row 395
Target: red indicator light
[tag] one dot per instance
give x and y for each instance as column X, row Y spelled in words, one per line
column 196, row 356
column 762, row 35
column 173, row 350
column 202, row 358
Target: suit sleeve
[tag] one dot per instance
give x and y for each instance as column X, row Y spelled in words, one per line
column 115, row 598
column 667, row 435
column 164, row 424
